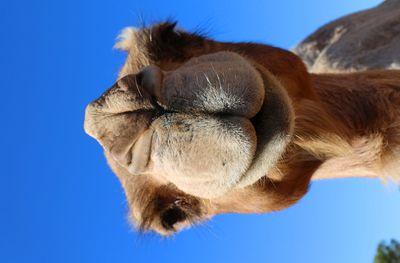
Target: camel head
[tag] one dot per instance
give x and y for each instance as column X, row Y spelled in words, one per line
column 181, row 138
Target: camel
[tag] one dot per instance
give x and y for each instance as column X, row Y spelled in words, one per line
column 368, row 39
column 194, row 127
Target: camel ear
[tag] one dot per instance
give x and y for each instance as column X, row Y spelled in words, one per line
column 126, row 39
column 167, row 41
column 166, row 31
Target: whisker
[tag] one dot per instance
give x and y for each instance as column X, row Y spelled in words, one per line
column 208, row 80
column 219, row 80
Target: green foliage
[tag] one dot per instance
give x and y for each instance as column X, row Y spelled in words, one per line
column 388, row 253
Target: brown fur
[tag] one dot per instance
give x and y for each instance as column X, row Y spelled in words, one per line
column 344, row 125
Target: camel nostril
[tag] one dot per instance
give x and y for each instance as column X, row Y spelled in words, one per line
column 172, row 216
column 150, row 78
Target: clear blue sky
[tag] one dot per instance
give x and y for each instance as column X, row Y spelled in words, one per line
column 61, row 203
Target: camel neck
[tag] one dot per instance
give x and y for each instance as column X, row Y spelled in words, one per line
column 349, row 127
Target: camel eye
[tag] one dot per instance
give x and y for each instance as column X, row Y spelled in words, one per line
column 172, row 216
